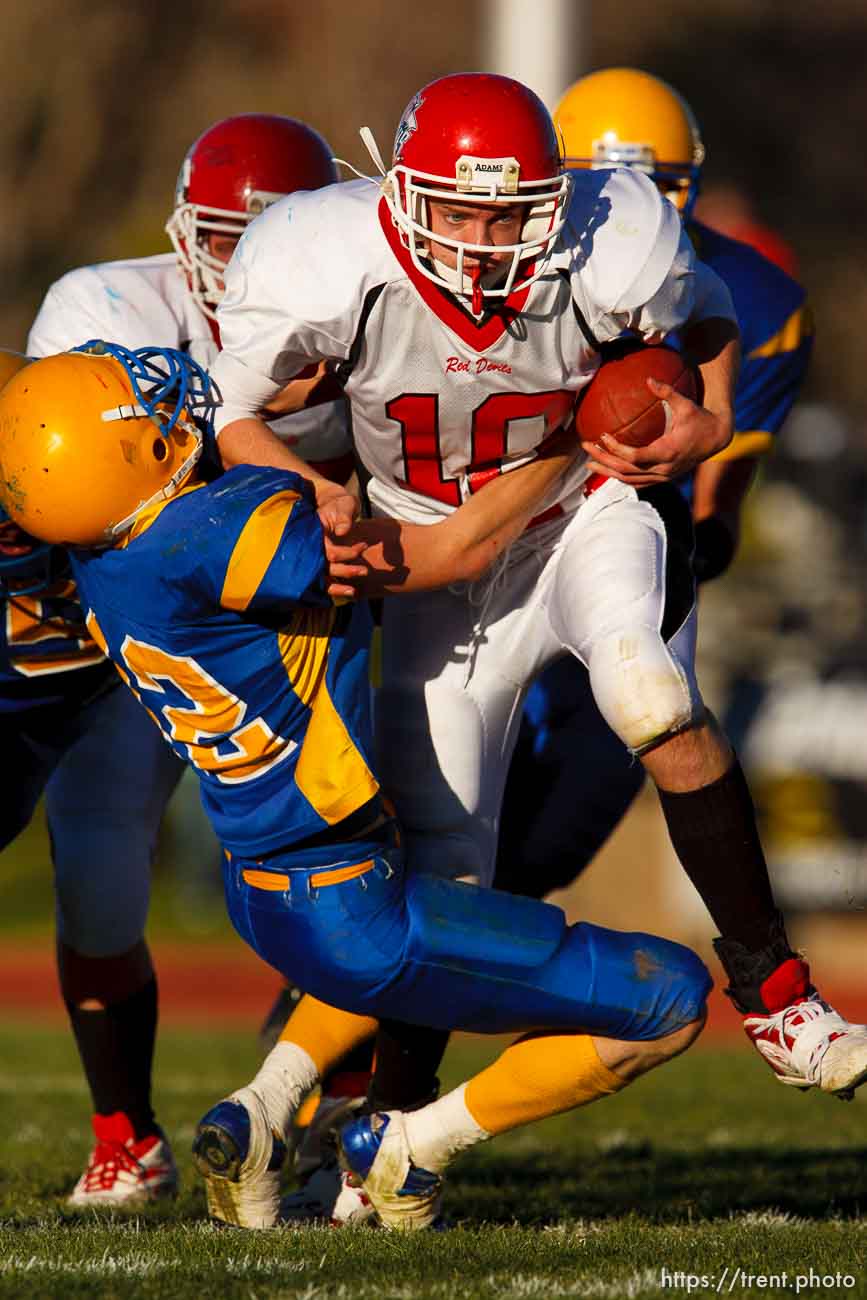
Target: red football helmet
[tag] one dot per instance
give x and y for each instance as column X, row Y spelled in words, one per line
column 231, row 174
column 484, row 139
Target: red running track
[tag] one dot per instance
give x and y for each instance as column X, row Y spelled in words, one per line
column 227, row 986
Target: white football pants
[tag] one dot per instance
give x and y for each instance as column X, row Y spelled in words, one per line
column 456, row 665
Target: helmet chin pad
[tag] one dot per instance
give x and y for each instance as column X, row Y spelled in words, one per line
column 490, row 278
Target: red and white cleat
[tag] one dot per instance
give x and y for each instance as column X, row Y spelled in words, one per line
column 330, row 1195
column 122, row 1170
column 807, row 1043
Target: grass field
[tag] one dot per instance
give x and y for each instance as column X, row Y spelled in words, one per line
column 706, row 1166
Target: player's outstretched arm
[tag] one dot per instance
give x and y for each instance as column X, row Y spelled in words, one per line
column 250, row 442
column 401, row 557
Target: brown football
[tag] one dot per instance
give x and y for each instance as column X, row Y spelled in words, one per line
column 618, row 401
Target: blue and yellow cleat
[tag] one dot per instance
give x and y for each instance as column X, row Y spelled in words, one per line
column 375, row 1153
column 240, row 1156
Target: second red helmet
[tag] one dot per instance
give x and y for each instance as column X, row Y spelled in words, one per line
column 232, row 173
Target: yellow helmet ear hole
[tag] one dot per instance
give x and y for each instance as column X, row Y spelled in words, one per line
column 160, row 449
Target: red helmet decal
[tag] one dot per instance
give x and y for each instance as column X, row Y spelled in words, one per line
column 408, row 123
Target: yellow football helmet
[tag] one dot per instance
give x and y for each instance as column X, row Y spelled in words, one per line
column 622, row 117
column 10, row 364
column 27, row 566
column 91, row 438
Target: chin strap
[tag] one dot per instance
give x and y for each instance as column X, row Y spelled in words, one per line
column 478, row 296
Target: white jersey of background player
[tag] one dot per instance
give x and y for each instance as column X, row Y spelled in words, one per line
column 146, row 301
column 102, row 872
column 234, row 171
column 464, row 306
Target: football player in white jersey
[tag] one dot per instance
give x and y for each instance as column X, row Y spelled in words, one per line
column 104, row 824
column 463, row 302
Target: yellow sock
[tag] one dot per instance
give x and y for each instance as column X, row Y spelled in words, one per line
column 325, row 1033
column 537, row 1076
column 307, row 1109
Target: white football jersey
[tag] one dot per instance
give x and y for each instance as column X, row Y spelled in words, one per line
column 145, row 302
column 442, row 400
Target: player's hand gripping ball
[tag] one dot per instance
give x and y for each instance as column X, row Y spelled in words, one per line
column 618, row 401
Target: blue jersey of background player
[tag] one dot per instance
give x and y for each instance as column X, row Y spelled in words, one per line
column 571, row 780
column 61, row 715
column 59, row 705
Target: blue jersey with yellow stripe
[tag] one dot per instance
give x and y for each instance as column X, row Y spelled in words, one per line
column 214, row 611
column 43, row 642
column 776, row 337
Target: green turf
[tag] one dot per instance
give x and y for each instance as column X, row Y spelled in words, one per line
column 706, row 1166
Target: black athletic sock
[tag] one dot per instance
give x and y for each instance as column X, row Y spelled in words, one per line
column 116, row 1046
column 714, row 834
column 407, row 1060
column 766, row 979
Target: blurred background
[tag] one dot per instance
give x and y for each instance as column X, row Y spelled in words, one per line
column 100, row 101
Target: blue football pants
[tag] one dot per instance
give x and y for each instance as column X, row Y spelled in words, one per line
column 430, row 951
column 107, row 775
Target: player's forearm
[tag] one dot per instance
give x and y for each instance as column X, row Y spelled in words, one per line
column 719, row 489
column 251, row 442
column 414, row 557
column 496, row 516
column 713, row 345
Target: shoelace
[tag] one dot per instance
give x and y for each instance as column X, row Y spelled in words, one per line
column 107, row 1160
column 810, row 1038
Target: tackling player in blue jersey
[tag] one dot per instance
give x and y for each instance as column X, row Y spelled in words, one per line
column 215, row 604
column 67, row 729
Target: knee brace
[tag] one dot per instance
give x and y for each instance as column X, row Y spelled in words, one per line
column 644, row 688
column 494, row 963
